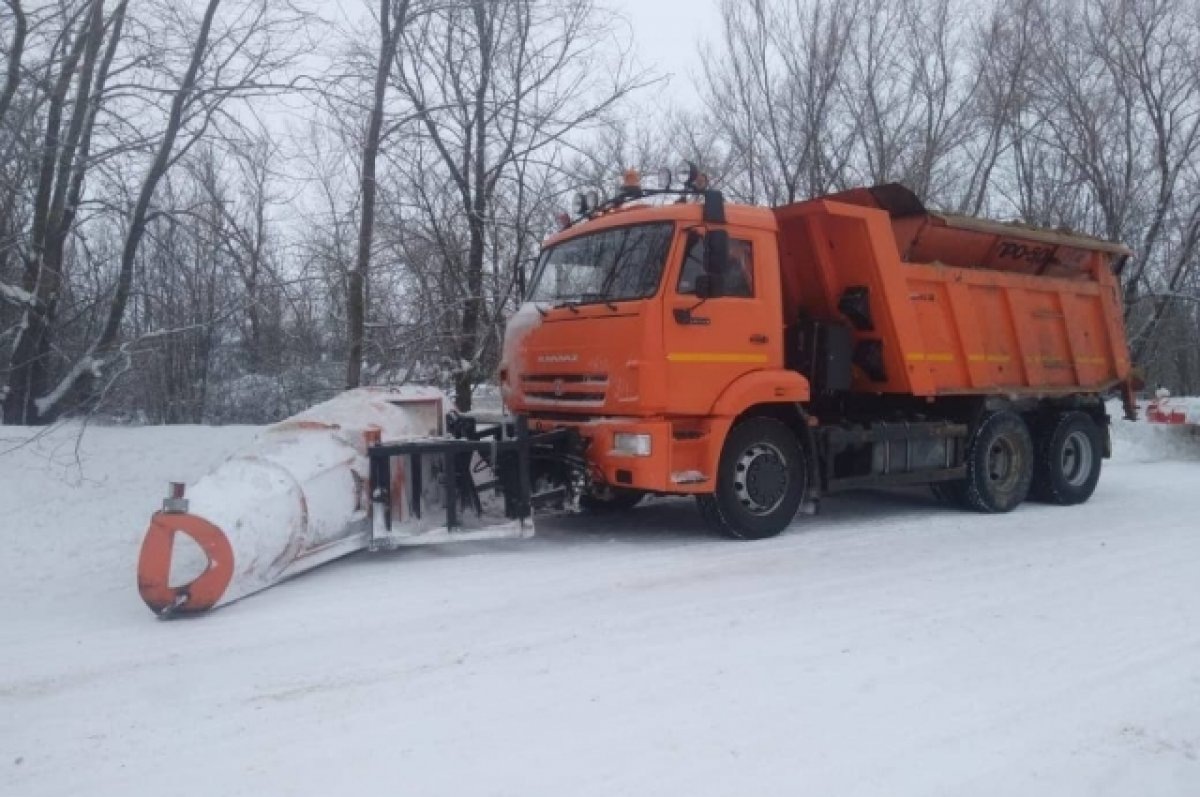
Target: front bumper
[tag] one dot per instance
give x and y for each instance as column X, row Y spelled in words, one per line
column 682, row 458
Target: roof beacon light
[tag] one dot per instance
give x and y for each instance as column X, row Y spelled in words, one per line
column 631, row 182
column 564, row 219
column 582, row 205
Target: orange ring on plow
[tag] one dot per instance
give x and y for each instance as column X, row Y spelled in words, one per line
column 154, row 564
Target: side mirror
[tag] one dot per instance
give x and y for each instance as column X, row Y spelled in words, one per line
column 716, row 253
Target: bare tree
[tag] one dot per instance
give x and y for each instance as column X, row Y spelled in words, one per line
column 392, row 18
column 16, row 50
column 153, row 224
column 1003, row 56
column 59, row 185
column 227, row 57
column 1117, row 113
column 907, row 99
column 245, row 231
column 775, row 97
column 493, row 85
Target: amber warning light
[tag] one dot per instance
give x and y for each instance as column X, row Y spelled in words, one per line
column 631, row 181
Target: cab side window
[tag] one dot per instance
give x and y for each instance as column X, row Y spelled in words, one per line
column 739, row 281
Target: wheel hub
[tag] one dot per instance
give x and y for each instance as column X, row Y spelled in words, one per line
column 761, row 478
column 1076, row 461
column 1001, row 461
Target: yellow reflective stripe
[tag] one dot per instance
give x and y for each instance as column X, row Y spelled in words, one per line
column 989, row 358
column 931, row 356
column 714, row 357
column 1059, row 361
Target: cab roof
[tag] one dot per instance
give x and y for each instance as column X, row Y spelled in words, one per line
column 642, row 213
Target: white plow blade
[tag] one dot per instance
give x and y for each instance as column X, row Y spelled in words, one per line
column 295, row 499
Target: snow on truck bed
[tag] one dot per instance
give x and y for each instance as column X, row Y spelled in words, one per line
column 888, row 646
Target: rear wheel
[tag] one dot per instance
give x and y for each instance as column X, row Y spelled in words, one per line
column 999, row 464
column 761, row 480
column 1067, row 463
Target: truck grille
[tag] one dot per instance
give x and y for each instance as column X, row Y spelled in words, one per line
column 566, row 388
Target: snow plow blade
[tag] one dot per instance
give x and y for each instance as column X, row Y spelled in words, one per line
column 1177, row 423
column 323, row 484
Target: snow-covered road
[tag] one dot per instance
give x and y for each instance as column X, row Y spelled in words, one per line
column 888, row 647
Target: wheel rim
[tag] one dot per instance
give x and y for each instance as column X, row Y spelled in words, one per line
column 761, row 478
column 1002, row 461
column 1075, row 463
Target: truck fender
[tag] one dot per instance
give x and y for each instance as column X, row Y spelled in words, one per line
column 761, row 387
column 778, row 388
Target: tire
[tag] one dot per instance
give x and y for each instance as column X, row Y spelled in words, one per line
column 609, row 500
column 1067, row 460
column 999, row 463
column 762, row 478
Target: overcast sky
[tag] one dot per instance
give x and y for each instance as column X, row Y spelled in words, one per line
column 667, row 35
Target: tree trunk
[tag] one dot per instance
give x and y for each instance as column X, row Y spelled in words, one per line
column 16, row 50
column 77, row 387
column 356, row 284
column 28, row 374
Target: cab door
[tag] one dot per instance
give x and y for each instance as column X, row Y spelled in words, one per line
column 709, row 344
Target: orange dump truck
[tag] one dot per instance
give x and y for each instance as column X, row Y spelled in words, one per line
column 760, row 358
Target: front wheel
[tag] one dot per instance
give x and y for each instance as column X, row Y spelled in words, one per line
column 761, row 480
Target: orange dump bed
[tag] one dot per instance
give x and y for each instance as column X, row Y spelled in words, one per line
column 946, row 305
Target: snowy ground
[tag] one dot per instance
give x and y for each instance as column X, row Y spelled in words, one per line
column 889, row 646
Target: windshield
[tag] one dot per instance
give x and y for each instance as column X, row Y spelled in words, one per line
column 621, row 263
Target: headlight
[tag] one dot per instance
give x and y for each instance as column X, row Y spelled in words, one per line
column 631, row 445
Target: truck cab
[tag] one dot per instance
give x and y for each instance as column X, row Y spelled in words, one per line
column 623, row 337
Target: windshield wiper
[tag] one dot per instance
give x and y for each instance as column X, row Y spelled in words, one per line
column 592, row 298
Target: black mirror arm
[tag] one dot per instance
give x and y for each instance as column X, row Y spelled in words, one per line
column 684, row 315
